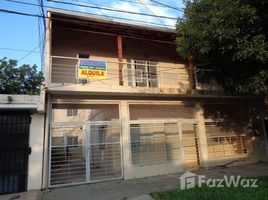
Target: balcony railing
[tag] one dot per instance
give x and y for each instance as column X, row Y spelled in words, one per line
column 205, row 81
column 137, row 73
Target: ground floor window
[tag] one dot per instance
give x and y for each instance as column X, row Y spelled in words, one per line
column 227, row 139
column 154, row 143
column 155, row 132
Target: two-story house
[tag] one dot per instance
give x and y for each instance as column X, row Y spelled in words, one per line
column 121, row 105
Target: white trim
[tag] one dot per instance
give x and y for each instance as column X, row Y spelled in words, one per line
column 20, row 106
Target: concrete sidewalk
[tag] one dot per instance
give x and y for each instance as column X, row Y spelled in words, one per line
column 30, row 195
column 139, row 188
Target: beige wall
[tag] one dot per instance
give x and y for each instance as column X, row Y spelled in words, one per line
column 195, row 150
column 171, row 68
column 36, row 157
column 234, row 121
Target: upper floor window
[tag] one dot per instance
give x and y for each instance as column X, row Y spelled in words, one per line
column 71, row 112
column 143, row 73
column 83, row 55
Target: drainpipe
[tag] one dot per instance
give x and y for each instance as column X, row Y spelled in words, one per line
column 120, row 58
column 191, row 72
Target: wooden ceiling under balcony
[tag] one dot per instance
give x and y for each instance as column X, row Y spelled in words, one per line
column 92, row 24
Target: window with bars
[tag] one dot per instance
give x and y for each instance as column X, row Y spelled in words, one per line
column 72, row 141
column 154, row 143
column 143, row 73
column 71, row 112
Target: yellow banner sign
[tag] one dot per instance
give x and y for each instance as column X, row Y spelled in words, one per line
column 92, row 69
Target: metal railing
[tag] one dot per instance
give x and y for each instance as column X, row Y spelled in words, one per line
column 135, row 74
column 81, row 154
column 154, row 143
column 205, row 81
column 227, row 146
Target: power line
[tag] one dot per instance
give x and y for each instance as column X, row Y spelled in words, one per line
column 120, row 18
column 41, row 29
column 22, row 50
column 151, row 12
column 168, row 6
column 68, row 20
column 150, row 4
column 137, row 2
column 112, row 9
column 99, row 9
column 29, row 53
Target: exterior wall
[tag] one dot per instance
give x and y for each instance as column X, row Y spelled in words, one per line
column 30, row 102
column 234, row 120
column 190, row 156
column 174, row 80
column 36, row 156
column 35, row 104
column 173, row 76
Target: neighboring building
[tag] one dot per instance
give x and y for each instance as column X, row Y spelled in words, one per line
column 21, row 142
column 121, row 104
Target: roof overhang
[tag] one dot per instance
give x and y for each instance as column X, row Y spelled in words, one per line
column 75, row 20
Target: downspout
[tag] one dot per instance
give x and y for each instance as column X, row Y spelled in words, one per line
column 120, row 58
column 191, row 72
column 44, row 137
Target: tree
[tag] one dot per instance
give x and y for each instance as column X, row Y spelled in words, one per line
column 19, row 80
column 230, row 35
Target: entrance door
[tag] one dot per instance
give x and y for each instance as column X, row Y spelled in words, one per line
column 104, row 151
column 14, row 151
column 190, row 146
column 85, row 153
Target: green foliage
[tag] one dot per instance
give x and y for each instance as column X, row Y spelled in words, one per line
column 231, row 35
column 224, row 193
column 19, row 80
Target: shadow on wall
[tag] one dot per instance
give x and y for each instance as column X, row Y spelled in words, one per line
column 234, row 133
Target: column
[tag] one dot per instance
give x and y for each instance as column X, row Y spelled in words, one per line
column 201, row 133
column 125, row 139
column 120, row 58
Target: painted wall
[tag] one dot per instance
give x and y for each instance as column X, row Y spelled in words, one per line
column 35, row 158
column 171, row 69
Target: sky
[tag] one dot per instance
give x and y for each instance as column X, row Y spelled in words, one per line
column 19, row 35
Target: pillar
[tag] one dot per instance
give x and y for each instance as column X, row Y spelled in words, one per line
column 201, row 133
column 125, row 139
column 120, row 58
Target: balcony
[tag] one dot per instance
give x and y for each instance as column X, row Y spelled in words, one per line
column 135, row 76
column 206, row 83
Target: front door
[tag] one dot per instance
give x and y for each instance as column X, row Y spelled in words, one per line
column 85, row 153
column 14, row 151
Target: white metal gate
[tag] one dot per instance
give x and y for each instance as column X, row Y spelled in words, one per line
column 85, row 152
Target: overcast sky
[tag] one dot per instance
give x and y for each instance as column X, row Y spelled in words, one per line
column 21, row 32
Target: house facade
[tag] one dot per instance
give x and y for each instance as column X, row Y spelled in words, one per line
column 21, row 142
column 121, row 104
